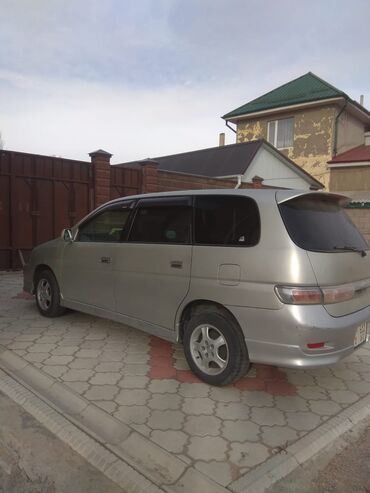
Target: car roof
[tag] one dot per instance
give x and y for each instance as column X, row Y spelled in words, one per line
column 253, row 193
column 260, row 195
column 272, row 193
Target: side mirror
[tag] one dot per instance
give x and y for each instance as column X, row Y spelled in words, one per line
column 67, row 235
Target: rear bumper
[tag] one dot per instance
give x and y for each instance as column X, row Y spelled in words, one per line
column 280, row 337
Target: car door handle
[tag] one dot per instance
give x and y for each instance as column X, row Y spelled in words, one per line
column 105, row 260
column 176, row 264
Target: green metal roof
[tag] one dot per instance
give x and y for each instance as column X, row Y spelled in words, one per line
column 304, row 89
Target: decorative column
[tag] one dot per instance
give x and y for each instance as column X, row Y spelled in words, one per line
column 149, row 176
column 100, row 161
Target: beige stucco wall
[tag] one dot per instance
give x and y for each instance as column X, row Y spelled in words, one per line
column 361, row 217
column 313, row 137
column 350, row 132
column 355, row 178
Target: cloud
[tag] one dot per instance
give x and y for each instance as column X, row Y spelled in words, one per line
column 75, row 118
column 153, row 77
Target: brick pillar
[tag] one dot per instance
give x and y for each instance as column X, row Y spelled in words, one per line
column 149, row 176
column 100, row 161
column 257, row 181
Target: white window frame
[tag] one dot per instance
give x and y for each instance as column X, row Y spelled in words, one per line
column 274, row 143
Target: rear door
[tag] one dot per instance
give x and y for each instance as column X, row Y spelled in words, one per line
column 153, row 266
column 225, row 267
column 338, row 252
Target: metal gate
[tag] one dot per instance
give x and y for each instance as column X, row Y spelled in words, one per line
column 39, row 196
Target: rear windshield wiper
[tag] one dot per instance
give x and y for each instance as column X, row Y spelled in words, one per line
column 347, row 248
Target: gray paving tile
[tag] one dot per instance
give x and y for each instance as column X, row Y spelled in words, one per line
column 101, row 392
column 58, row 360
column 198, row 405
column 202, row 425
column 166, row 420
column 132, row 414
column 173, row 441
column 164, row 401
column 131, row 397
column 278, row 436
column 109, row 378
column 240, row 431
column 248, row 454
column 77, row 375
column 207, row 448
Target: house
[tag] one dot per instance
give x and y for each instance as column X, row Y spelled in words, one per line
column 307, row 119
column 350, row 176
column 350, row 171
column 242, row 161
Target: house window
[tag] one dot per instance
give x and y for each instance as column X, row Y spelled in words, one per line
column 280, row 133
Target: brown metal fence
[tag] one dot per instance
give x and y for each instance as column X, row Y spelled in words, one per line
column 124, row 181
column 39, row 196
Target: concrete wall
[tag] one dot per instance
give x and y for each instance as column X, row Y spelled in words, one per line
column 350, row 132
column 313, row 137
column 354, row 178
column 274, row 171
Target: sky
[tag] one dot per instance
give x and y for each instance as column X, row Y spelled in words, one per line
column 153, row 77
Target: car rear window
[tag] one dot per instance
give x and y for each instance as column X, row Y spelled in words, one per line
column 320, row 224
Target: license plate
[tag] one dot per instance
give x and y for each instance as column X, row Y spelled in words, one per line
column 361, row 335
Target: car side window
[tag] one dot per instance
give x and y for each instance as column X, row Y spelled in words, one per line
column 108, row 226
column 226, row 220
column 162, row 221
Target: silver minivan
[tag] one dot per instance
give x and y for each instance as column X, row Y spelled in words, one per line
column 280, row 277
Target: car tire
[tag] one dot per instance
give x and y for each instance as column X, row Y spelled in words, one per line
column 215, row 348
column 48, row 295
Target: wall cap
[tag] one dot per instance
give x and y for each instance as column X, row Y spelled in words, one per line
column 148, row 162
column 100, row 152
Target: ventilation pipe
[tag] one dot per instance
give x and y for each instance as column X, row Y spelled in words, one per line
column 362, row 100
column 221, row 139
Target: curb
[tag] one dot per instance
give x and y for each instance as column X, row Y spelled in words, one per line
column 304, row 449
column 124, row 455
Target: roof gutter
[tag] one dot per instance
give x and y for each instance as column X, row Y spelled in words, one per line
column 336, row 128
column 239, row 182
column 231, row 128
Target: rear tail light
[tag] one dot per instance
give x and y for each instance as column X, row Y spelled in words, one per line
column 337, row 294
column 297, row 295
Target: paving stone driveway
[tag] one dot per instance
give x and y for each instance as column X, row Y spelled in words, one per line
column 145, row 383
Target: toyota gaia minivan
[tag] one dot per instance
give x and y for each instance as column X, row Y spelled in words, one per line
column 280, row 277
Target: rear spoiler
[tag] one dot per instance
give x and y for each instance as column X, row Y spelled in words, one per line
column 286, row 195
